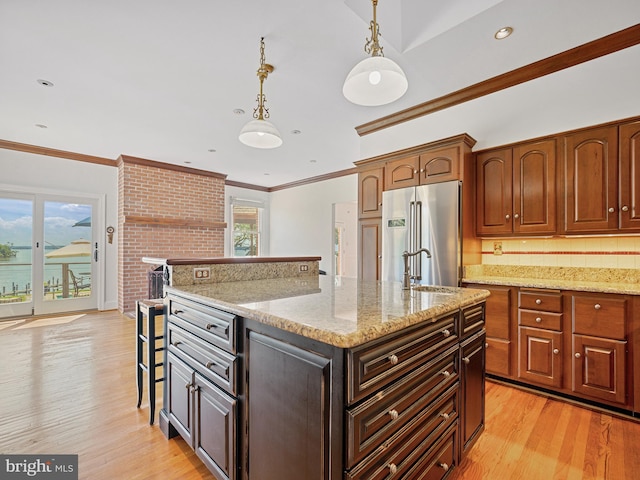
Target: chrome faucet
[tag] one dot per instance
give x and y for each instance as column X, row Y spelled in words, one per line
column 406, row 278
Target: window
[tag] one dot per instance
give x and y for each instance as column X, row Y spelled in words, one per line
column 247, row 227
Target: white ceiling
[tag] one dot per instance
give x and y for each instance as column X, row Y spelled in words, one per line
column 160, row 79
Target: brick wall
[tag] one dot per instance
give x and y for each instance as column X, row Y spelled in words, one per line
column 164, row 211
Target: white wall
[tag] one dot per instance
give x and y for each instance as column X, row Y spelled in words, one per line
column 43, row 174
column 551, row 104
column 302, row 218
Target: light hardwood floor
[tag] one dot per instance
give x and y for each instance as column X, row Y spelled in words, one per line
column 67, row 385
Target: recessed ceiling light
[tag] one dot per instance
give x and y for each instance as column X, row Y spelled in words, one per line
column 238, row 111
column 40, row 125
column 503, row 33
column 187, row 162
column 296, row 132
column 45, row 83
column 212, row 150
column 312, row 161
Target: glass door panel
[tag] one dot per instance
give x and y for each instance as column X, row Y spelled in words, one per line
column 68, row 257
column 16, row 255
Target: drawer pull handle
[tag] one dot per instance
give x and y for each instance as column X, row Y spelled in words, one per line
column 538, row 320
column 611, row 209
column 393, row 414
column 446, row 333
column 393, row 359
column 466, row 360
column 444, row 466
column 177, row 311
column 445, row 415
column 210, row 364
column 625, row 208
column 209, row 326
column 188, row 386
column 597, row 306
column 538, row 301
column 486, row 345
column 446, row 373
column 556, row 351
column 577, row 355
column 392, row 468
column 175, row 344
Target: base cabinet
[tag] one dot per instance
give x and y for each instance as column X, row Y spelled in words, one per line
column 472, row 390
column 405, row 405
column 578, row 344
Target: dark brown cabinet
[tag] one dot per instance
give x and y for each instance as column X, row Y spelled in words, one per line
column 370, row 243
column 600, row 347
column 370, row 184
column 540, row 347
column 472, row 371
column 516, row 190
column 406, row 404
column 499, row 326
column 630, row 176
column 290, row 402
column 204, row 416
column 590, row 186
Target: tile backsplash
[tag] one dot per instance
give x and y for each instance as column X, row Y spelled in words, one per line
column 598, row 252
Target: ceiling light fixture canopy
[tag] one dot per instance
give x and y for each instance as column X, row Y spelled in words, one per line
column 259, row 132
column 376, row 80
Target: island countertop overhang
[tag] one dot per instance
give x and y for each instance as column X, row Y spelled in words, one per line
column 342, row 312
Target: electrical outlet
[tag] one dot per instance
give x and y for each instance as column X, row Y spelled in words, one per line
column 304, row 268
column 201, row 273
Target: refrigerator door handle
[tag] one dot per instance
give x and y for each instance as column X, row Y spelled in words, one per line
column 418, row 242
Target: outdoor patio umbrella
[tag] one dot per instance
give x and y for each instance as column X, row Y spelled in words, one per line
column 77, row 248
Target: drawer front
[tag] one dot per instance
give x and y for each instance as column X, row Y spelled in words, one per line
column 537, row 319
column 543, row 301
column 498, row 356
column 217, row 365
column 472, row 319
column 422, row 455
column 372, row 422
column 377, row 364
column 209, row 323
column 599, row 316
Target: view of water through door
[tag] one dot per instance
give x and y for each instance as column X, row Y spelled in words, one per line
column 48, row 255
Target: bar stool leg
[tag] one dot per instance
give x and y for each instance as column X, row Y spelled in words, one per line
column 151, row 362
column 139, row 332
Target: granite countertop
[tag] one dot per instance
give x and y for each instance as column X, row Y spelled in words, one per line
column 225, row 260
column 597, row 280
column 342, row 312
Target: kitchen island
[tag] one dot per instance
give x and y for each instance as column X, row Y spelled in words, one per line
column 324, row 377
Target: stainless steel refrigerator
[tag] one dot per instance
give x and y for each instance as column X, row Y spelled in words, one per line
column 427, row 216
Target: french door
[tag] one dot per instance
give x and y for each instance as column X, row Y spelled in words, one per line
column 49, row 253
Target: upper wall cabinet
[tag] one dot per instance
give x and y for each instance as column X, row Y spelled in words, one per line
column 590, row 185
column 370, row 183
column 516, row 190
column 434, row 164
column 630, row 176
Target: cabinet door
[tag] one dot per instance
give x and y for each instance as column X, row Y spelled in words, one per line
column 630, row 176
column 288, row 420
column 472, row 390
column 540, row 359
column 370, row 184
column 214, row 437
column 534, row 187
column 498, row 327
column 494, row 192
column 403, row 172
column 590, row 187
column 440, row 165
column 599, row 367
column 370, row 248
column 179, row 386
